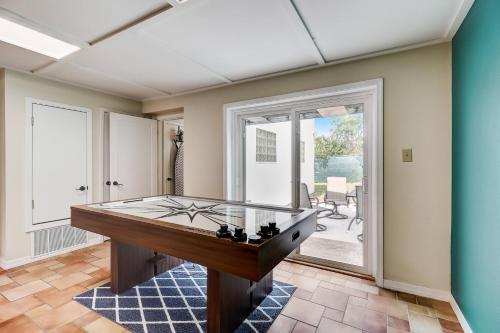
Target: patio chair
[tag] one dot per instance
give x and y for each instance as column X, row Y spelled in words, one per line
column 358, row 218
column 336, row 195
column 306, row 202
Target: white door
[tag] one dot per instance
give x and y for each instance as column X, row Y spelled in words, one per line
column 132, row 157
column 60, row 162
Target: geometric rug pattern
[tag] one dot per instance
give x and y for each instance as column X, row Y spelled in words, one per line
column 176, row 302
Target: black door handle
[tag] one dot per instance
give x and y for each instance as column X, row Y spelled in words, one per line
column 117, row 184
column 81, row 188
column 108, row 183
column 169, row 179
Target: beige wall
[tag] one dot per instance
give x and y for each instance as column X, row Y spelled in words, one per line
column 417, row 114
column 18, row 86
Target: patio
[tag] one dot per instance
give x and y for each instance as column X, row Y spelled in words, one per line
column 337, row 243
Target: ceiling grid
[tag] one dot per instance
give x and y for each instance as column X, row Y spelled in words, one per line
column 145, row 49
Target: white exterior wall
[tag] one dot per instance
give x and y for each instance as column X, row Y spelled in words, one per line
column 271, row 182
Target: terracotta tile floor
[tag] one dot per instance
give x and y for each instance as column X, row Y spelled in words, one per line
column 38, row 298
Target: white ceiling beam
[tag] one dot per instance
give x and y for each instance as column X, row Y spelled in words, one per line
column 303, row 30
column 132, row 24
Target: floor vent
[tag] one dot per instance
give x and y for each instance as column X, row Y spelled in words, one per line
column 46, row 241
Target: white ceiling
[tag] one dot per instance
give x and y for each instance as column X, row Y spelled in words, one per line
column 368, row 26
column 83, row 20
column 136, row 59
column 15, row 57
column 237, row 39
column 205, row 43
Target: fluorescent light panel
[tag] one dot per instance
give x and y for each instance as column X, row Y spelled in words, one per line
column 35, row 41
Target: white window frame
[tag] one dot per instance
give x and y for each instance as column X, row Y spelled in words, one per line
column 29, row 227
column 233, row 159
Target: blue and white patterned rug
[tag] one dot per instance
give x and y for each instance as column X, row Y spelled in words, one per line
column 175, row 302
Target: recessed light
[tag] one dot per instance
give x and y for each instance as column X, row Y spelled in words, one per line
column 181, row 1
column 33, row 40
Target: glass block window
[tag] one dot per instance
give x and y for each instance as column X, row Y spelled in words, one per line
column 266, row 146
column 302, row 151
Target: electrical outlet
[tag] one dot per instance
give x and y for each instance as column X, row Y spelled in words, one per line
column 407, row 155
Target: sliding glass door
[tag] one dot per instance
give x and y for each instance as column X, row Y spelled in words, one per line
column 332, row 176
column 268, row 159
column 313, row 154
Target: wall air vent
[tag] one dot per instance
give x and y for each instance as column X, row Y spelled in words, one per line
column 47, row 241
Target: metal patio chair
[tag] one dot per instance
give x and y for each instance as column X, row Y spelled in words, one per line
column 306, row 202
column 336, row 195
column 358, row 218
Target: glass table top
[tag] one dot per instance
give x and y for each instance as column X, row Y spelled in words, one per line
column 203, row 214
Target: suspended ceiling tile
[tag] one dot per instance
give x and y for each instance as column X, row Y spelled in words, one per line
column 134, row 58
column 346, row 28
column 84, row 19
column 15, row 57
column 89, row 78
column 237, row 39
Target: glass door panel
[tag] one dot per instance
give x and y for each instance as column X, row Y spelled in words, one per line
column 332, row 155
column 268, row 159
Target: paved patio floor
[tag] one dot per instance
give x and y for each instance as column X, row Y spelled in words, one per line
column 337, row 243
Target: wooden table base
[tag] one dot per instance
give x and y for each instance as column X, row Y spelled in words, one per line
column 230, row 299
column 131, row 265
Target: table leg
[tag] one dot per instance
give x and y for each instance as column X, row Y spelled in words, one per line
column 231, row 299
column 131, row 265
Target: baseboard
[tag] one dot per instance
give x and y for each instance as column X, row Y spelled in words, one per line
column 442, row 295
column 460, row 315
column 8, row 264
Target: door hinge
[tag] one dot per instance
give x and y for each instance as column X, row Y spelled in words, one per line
column 32, row 204
column 32, row 121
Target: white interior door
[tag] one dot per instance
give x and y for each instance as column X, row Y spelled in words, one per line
column 60, row 161
column 132, row 157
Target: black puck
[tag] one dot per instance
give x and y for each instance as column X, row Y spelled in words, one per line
column 255, row 239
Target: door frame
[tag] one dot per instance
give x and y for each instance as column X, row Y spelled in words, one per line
column 163, row 168
column 28, row 220
column 233, row 160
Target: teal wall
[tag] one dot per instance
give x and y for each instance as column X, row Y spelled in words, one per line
column 475, row 248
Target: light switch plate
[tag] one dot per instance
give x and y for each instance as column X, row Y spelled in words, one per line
column 407, row 155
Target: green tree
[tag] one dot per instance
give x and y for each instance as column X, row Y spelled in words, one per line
column 346, row 138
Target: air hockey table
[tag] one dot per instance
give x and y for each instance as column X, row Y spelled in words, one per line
column 238, row 243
